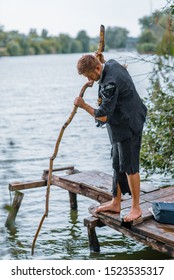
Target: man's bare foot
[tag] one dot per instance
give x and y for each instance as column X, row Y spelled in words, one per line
column 111, row 206
column 134, row 214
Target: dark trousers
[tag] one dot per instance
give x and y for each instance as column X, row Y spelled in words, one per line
column 125, row 157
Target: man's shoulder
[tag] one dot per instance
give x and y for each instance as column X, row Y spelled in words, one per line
column 112, row 63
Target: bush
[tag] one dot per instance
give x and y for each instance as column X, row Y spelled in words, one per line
column 146, row 48
column 157, row 154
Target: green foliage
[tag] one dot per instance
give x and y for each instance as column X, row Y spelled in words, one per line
column 146, row 48
column 172, row 9
column 65, row 43
column 166, row 46
column 12, row 43
column 147, row 36
column 33, row 43
column 13, row 48
column 84, row 39
column 153, row 30
column 116, row 37
column 76, row 46
column 147, row 42
column 157, row 154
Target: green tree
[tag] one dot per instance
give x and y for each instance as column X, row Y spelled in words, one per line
column 24, row 44
column 116, row 37
column 65, row 43
column 14, row 48
column 33, row 33
column 153, row 28
column 84, row 39
column 48, row 46
column 167, row 43
column 44, row 33
column 147, row 42
column 76, row 46
column 36, row 44
column 157, row 154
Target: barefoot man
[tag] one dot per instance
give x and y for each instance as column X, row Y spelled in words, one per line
column 124, row 114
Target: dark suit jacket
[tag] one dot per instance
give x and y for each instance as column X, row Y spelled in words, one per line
column 121, row 103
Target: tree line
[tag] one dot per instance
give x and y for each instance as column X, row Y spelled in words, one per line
column 13, row 43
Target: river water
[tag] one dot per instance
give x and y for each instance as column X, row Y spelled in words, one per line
column 36, row 98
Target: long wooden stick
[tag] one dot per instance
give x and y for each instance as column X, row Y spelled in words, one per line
column 88, row 84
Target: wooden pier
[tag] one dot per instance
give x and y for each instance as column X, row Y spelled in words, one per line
column 97, row 186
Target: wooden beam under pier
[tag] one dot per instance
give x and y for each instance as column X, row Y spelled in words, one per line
column 28, row 185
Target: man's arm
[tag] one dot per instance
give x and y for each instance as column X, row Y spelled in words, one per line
column 79, row 102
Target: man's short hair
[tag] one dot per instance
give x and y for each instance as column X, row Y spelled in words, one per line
column 87, row 63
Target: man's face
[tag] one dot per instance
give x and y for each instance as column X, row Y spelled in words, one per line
column 93, row 75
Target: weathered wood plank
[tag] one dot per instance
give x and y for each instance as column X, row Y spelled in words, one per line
column 93, row 222
column 28, row 185
column 161, row 194
column 161, row 232
column 69, row 186
column 103, row 180
column 146, row 214
column 109, row 216
column 147, row 240
column 138, row 231
column 95, row 179
column 71, row 167
column 148, row 187
column 81, row 188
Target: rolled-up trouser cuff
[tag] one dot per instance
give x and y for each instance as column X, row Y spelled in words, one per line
column 125, row 161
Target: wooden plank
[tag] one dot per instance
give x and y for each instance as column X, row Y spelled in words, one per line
column 148, row 187
column 117, row 217
column 92, row 222
column 93, row 179
column 16, row 186
column 161, row 232
column 71, row 167
column 75, row 188
column 107, row 216
column 146, row 214
column 103, row 181
column 80, row 188
column 162, row 194
column 139, row 231
column 147, row 240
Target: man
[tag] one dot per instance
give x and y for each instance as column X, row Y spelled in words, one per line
column 124, row 114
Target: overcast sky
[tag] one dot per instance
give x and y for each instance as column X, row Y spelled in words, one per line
column 71, row 16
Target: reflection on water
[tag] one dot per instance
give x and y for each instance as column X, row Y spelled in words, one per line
column 37, row 94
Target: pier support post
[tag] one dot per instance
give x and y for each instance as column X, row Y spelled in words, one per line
column 73, row 200
column 93, row 240
column 91, row 223
column 10, row 222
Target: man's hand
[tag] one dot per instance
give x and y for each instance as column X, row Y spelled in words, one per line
column 79, row 102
